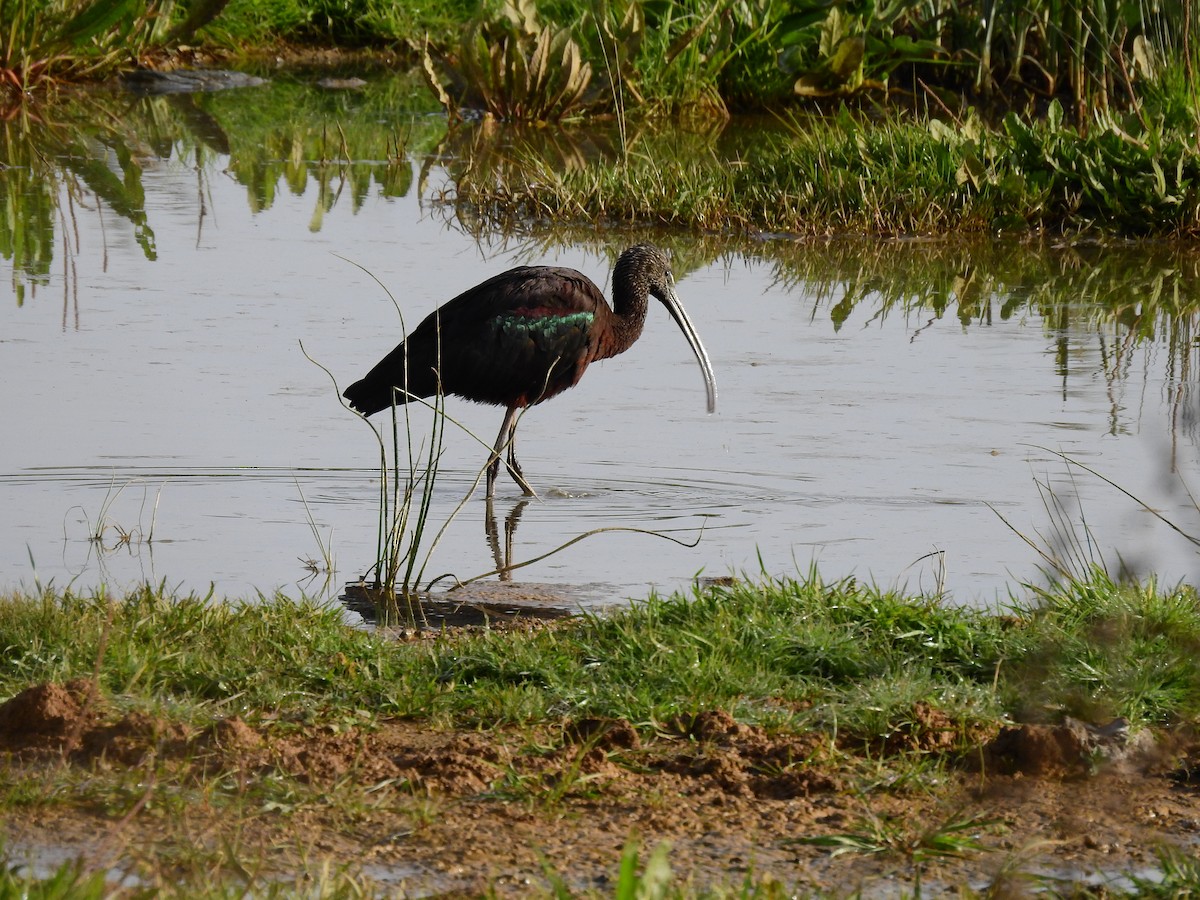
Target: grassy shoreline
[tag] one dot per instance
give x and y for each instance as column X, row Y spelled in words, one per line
column 176, row 700
column 809, row 178
column 845, row 175
column 552, row 58
column 1087, row 115
column 743, row 647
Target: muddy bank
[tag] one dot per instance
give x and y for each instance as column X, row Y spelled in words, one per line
column 457, row 810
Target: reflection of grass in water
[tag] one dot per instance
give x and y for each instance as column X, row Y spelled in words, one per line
column 31, row 184
column 55, row 159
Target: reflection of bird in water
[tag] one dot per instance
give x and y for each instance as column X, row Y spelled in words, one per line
column 503, row 558
column 524, row 336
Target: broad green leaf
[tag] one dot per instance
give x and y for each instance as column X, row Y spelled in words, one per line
column 96, row 18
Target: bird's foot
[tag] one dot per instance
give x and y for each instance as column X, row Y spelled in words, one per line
column 514, row 469
column 493, row 470
column 522, row 483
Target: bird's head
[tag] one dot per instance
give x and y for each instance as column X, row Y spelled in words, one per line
column 644, row 270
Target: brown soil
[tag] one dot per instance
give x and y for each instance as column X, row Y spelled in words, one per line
column 458, row 811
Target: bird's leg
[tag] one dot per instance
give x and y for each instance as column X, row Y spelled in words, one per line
column 493, row 466
column 514, row 467
column 503, row 440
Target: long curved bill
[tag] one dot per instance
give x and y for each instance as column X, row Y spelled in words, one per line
column 671, row 301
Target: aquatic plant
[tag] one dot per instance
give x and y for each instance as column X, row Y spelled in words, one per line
column 844, row 48
column 1142, row 183
column 690, row 46
column 405, row 496
column 846, row 174
column 407, row 477
column 512, row 67
column 1093, row 56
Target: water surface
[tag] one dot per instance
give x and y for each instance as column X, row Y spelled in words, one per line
column 885, row 407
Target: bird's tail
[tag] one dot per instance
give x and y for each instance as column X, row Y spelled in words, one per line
column 370, row 395
column 393, row 380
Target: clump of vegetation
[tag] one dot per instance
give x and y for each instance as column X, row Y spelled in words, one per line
column 513, row 67
column 407, row 476
column 680, row 56
column 794, row 653
column 1143, row 183
column 843, row 174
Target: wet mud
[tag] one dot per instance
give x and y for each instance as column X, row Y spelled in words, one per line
column 464, row 811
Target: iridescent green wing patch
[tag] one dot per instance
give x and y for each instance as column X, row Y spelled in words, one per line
column 547, row 328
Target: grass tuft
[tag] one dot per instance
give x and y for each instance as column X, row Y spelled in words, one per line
column 789, row 653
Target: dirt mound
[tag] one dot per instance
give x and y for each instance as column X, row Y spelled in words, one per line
column 234, row 736
column 604, row 734
column 1073, row 749
column 48, row 716
column 58, row 719
column 744, row 761
column 931, row 730
column 467, row 763
column 134, row 737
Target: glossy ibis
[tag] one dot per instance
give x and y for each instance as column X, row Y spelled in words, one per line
column 523, row 336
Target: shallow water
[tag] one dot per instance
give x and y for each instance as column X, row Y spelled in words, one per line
column 885, row 406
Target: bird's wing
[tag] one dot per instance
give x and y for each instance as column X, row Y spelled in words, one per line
column 521, row 336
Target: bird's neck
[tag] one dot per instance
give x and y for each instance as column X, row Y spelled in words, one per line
column 630, row 300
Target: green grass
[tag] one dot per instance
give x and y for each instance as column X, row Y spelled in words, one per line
column 844, row 659
column 197, row 655
column 696, row 59
column 793, row 654
column 689, row 58
column 1109, row 652
column 845, row 175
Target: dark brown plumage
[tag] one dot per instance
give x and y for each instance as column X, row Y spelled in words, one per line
column 522, row 337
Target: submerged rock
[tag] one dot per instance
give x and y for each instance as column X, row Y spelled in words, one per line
column 186, row 81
